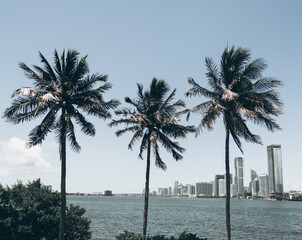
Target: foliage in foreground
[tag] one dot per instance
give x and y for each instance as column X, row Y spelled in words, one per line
column 32, row 212
column 132, row 236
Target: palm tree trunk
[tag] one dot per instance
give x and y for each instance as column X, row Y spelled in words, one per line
column 146, row 191
column 63, row 176
column 228, row 196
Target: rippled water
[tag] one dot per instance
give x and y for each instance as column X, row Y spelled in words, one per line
column 170, row 216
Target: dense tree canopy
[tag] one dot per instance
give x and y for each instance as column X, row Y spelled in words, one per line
column 32, row 211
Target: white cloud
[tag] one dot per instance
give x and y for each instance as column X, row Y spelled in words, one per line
column 15, row 154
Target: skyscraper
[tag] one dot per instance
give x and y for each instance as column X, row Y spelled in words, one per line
column 263, row 185
column 275, row 174
column 255, row 187
column 221, row 187
column 254, row 175
column 175, row 189
column 216, row 184
column 239, row 175
column 204, row 189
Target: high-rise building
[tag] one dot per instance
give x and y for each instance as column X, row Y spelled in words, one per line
column 239, row 175
column 170, row 191
column 254, row 175
column 216, row 184
column 181, row 189
column 175, row 189
column 160, row 191
column 255, row 187
column 233, row 190
column 204, row 189
column 192, row 190
column 275, row 174
column 263, row 185
column 221, row 188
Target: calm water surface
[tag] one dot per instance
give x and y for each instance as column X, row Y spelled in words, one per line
column 250, row 219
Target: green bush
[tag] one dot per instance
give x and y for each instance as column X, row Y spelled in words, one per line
column 132, row 236
column 32, row 212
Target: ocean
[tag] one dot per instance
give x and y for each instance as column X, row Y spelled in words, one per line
column 250, row 219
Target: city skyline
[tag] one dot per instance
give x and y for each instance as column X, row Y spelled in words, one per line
column 265, row 185
column 125, row 41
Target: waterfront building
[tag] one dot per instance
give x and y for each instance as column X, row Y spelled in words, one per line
column 275, row 174
column 170, row 191
column 255, row 187
column 234, row 189
column 216, row 184
column 160, row 192
column 221, row 187
column 263, row 185
column 191, row 190
column 198, row 188
column 175, row 189
column 204, row 189
column 254, row 175
column 238, row 162
column 108, row 193
column 181, row 190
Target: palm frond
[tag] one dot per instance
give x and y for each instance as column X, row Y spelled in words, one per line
column 86, row 127
column 144, row 143
column 127, row 121
column 158, row 160
column 22, row 109
column 213, row 75
column 267, row 83
column 48, row 68
column 70, row 64
column 38, row 134
column 254, row 69
column 71, row 136
column 136, row 136
column 169, row 145
column 80, row 70
column 30, row 74
column 87, row 83
column 197, row 90
column 125, row 130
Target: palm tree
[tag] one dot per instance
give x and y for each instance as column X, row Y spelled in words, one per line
column 61, row 94
column 153, row 121
column 238, row 93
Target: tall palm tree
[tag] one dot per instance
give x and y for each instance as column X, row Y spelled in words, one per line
column 61, row 94
column 238, row 93
column 153, row 120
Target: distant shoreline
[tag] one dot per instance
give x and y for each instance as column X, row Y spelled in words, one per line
column 184, row 196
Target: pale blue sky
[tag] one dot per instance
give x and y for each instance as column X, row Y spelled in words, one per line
column 132, row 42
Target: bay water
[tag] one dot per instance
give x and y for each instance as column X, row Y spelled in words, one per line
column 250, row 219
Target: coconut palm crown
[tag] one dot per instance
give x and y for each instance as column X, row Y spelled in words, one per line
column 238, row 93
column 61, row 95
column 153, row 121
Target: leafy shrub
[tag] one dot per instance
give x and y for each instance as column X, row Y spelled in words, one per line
column 32, row 212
